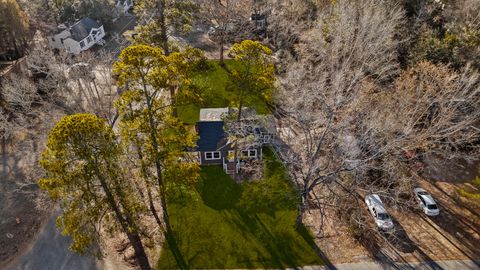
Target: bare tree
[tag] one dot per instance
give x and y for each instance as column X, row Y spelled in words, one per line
column 430, row 109
column 230, row 19
column 350, row 43
column 18, row 95
column 81, row 84
column 95, row 86
column 348, row 130
column 287, row 20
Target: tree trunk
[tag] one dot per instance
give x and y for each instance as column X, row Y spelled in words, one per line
column 235, row 151
column 173, row 101
column 163, row 26
column 153, row 210
column 300, row 212
column 158, row 166
column 140, row 254
column 301, row 208
column 222, row 51
column 133, row 237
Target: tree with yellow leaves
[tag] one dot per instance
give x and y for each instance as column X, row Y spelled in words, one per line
column 149, row 68
column 148, row 124
column 252, row 78
column 84, row 174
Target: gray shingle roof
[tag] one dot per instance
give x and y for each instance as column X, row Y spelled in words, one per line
column 82, row 28
column 212, row 136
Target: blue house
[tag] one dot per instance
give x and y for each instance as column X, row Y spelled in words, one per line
column 213, row 146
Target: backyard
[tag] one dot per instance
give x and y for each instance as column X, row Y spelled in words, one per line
column 213, row 83
column 229, row 225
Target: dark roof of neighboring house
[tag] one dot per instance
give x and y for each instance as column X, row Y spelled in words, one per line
column 212, row 136
column 257, row 17
column 82, row 28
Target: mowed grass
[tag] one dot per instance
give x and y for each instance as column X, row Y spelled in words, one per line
column 213, row 83
column 251, row 225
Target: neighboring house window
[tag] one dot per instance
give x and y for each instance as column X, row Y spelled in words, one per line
column 249, row 153
column 267, row 138
column 212, row 155
column 89, row 39
column 82, row 44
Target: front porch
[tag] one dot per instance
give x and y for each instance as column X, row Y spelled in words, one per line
column 230, row 166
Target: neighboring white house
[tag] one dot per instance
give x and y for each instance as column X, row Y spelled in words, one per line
column 79, row 37
column 124, row 6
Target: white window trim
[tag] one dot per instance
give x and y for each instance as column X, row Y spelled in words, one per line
column 248, row 153
column 213, row 155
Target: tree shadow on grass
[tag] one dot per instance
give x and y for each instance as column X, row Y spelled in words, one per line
column 172, row 246
column 256, row 230
column 217, row 189
column 280, row 248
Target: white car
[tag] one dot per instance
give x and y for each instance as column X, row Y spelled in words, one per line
column 426, row 202
column 376, row 208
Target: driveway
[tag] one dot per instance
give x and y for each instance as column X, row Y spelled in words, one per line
column 50, row 252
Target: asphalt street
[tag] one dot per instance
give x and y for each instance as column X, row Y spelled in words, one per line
column 50, row 252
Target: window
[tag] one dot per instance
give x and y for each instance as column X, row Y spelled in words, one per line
column 423, row 201
column 432, row 207
column 89, row 39
column 212, row 155
column 82, row 44
column 250, row 153
column 383, row 216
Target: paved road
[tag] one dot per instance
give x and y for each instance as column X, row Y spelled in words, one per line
column 437, row 265
column 50, row 252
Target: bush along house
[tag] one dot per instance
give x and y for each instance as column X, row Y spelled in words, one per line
column 214, row 147
column 79, row 37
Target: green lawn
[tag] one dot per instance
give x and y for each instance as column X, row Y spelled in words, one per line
column 213, row 83
column 238, row 226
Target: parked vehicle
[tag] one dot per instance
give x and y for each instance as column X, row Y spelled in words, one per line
column 376, row 208
column 426, row 202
